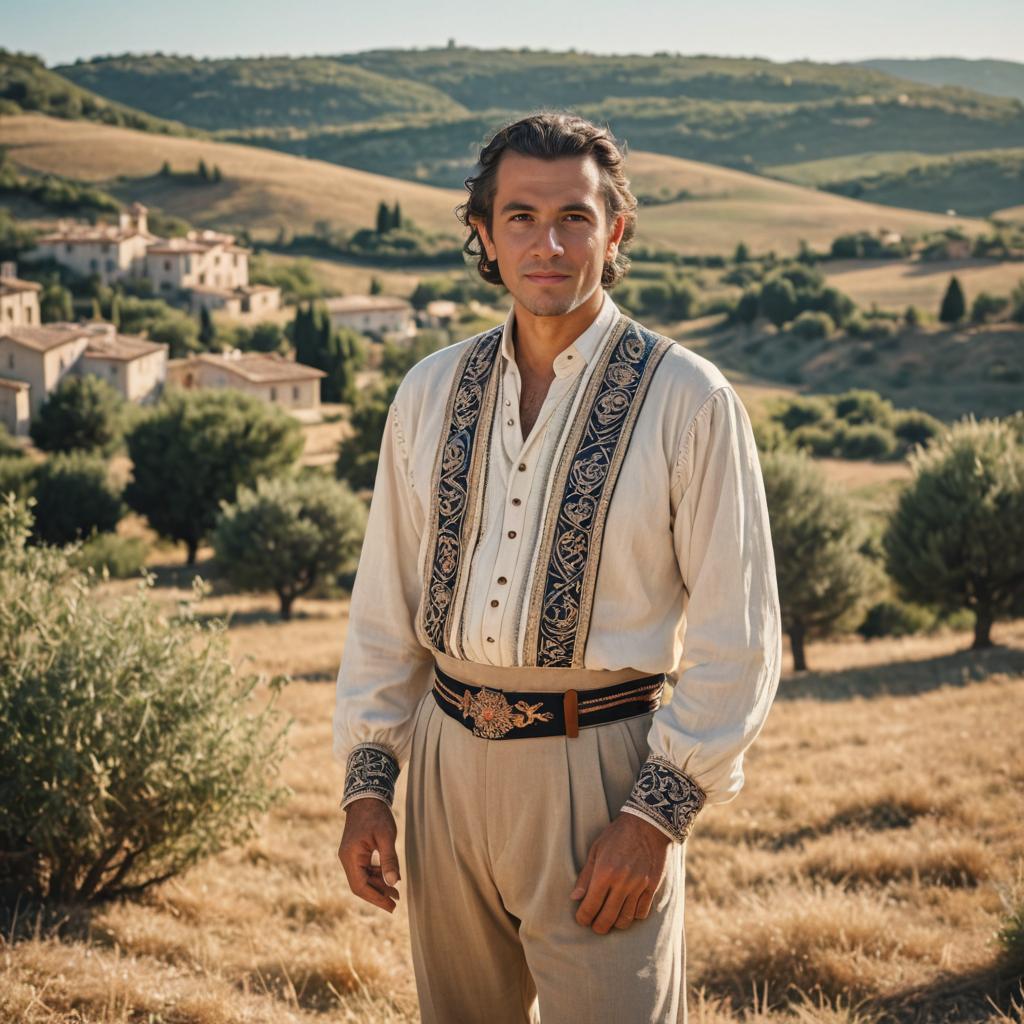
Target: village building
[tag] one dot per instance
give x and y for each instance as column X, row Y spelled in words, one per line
column 205, row 268
column 19, row 300
column 112, row 252
column 381, row 316
column 291, row 385
column 35, row 358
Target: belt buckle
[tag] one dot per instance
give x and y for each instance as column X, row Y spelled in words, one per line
column 493, row 716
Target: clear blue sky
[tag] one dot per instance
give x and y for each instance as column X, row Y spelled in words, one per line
column 823, row 30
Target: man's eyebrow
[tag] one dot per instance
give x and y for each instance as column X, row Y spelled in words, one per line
column 575, row 206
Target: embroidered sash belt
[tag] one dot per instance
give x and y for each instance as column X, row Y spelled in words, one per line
column 512, row 714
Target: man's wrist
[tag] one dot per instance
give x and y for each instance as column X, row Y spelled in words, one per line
column 665, row 796
column 371, row 770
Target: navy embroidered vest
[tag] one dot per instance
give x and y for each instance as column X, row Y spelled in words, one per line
column 569, row 549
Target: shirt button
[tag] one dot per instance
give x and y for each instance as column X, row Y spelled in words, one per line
column 510, row 422
column 512, row 533
column 494, row 603
column 517, row 501
column 508, row 401
column 501, row 579
column 522, row 467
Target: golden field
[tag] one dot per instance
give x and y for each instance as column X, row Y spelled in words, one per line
column 264, row 190
column 861, row 875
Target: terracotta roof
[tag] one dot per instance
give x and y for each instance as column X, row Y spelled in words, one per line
column 122, row 347
column 44, row 338
column 14, row 385
column 12, row 285
column 175, row 250
column 365, row 304
column 260, row 368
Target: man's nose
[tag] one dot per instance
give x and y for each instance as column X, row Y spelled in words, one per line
column 548, row 243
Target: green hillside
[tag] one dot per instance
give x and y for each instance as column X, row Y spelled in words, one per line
column 265, row 92
column 996, row 77
column 26, row 84
column 418, row 114
column 974, row 183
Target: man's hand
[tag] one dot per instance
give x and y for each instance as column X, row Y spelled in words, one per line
column 623, row 871
column 370, row 826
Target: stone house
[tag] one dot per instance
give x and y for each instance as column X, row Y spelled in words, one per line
column 294, row 386
column 383, row 316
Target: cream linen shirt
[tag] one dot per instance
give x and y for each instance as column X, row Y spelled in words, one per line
column 686, row 583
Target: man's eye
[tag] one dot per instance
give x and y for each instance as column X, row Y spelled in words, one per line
column 516, row 216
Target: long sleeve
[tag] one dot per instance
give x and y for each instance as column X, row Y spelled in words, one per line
column 384, row 668
column 732, row 640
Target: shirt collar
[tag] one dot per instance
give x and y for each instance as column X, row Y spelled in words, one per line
column 582, row 350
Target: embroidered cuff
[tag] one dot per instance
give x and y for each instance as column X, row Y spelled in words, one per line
column 371, row 770
column 666, row 797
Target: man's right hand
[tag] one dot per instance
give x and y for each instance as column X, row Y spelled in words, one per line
column 369, row 826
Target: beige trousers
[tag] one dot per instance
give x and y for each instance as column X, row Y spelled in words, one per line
column 497, row 832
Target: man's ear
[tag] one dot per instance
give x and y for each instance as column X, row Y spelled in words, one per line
column 618, row 228
column 485, row 238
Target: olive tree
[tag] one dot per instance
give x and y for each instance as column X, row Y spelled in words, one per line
column 289, row 534
column 194, row 451
column 956, row 539
column 80, row 413
column 130, row 748
column 823, row 578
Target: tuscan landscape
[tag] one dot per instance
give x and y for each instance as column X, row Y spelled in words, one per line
column 215, row 274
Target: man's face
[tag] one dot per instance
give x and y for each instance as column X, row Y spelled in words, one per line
column 550, row 231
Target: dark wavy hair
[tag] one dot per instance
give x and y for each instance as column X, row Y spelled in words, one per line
column 550, row 135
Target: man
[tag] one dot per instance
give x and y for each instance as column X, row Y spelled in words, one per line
column 568, row 511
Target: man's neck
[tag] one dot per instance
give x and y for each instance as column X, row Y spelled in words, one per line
column 539, row 339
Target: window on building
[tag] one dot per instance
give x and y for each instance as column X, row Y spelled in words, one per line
column 236, row 259
column 216, row 261
column 10, row 312
column 94, row 264
column 167, row 265
column 28, row 315
column 273, row 394
column 110, row 265
column 113, row 370
column 68, row 247
column 10, row 360
column 295, row 394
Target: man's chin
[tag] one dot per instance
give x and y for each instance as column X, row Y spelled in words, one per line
column 548, row 305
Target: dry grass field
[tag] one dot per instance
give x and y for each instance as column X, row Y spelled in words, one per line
column 896, row 284
column 729, row 206
column 862, row 875
column 264, row 190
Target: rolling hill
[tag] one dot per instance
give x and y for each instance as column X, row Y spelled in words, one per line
column 26, row 84
column 996, row 77
column 745, row 113
column 264, row 92
column 261, row 191
column 264, row 190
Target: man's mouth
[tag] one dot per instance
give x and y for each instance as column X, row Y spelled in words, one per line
column 547, row 278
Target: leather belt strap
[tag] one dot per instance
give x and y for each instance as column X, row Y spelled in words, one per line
column 518, row 714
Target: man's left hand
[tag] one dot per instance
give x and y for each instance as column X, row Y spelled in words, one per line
column 624, row 868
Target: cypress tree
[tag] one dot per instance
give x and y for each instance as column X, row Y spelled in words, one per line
column 396, row 216
column 953, row 305
column 383, row 218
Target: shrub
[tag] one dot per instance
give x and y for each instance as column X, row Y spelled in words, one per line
column 194, row 450
column 8, row 446
column 16, row 476
column 129, row 747
column 956, row 539
column 811, row 326
column 861, row 406
column 822, row 575
column 778, row 300
column 74, row 497
column 988, row 307
column 913, row 427
column 289, row 535
column 821, row 440
column 895, row 618
column 83, row 413
column 121, row 557
column 866, row 441
column 798, row 412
